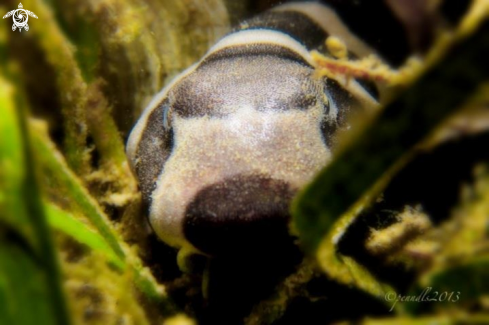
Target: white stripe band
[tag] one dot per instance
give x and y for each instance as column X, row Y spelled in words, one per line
column 235, row 39
column 261, row 36
column 331, row 23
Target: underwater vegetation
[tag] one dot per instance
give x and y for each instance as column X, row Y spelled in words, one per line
column 395, row 230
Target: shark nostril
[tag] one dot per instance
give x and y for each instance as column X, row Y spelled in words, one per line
column 239, row 215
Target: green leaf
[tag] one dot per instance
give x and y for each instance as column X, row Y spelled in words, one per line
column 24, row 293
column 30, row 235
column 68, row 224
column 66, row 181
column 382, row 144
column 83, row 206
column 471, row 279
column 12, row 170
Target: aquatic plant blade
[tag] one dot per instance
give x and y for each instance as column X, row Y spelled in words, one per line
column 71, row 226
column 382, row 143
column 33, row 269
column 24, row 294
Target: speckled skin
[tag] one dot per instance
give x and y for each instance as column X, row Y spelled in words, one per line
column 252, row 108
column 258, row 131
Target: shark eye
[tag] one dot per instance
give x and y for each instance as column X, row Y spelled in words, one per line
column 304, row 101
column 167, row 117
column 309, row 100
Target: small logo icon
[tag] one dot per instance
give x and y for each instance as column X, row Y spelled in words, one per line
column 20, row 17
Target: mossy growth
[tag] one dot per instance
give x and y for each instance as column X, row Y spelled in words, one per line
column 403, row 207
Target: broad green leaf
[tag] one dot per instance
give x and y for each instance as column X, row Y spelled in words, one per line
column 323, row 211
column 382, row 143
